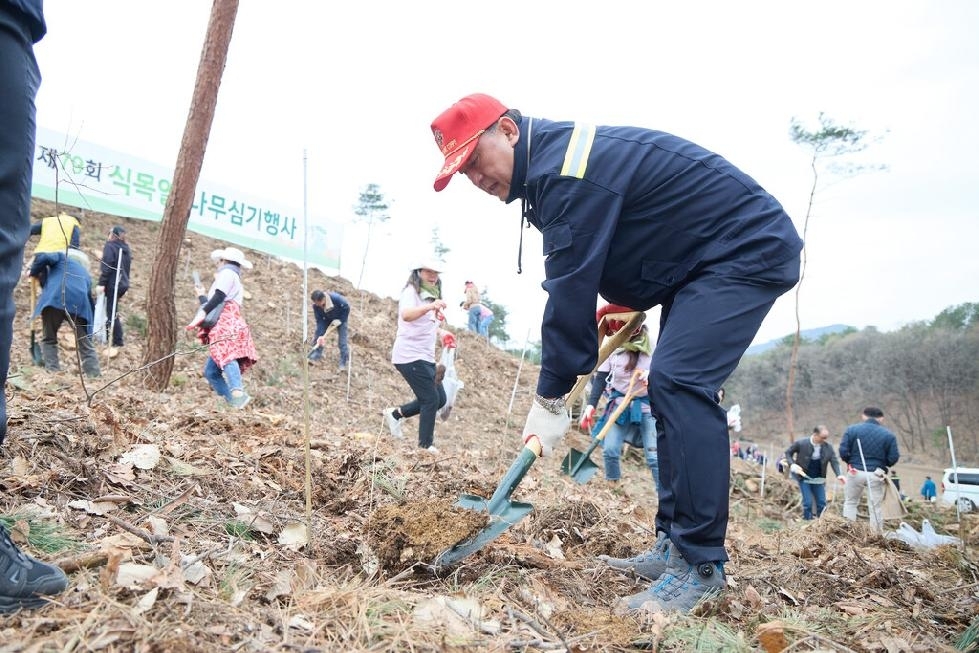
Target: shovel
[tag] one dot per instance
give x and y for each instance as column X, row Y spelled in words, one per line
column 504, row 513
column 578, row 465
column 36, row 354
column 334, row 324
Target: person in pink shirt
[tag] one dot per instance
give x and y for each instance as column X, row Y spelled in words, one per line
column 420, row 315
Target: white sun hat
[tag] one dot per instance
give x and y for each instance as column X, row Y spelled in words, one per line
column 429, row 265
column 232, row 254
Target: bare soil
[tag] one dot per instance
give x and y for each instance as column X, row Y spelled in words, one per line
column 186, row 522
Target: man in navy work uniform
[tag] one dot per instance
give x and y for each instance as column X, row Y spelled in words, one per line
column 329, row 307
column 642, row 218
column 868, row 463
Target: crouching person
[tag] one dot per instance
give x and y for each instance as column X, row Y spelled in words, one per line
column 67, row 295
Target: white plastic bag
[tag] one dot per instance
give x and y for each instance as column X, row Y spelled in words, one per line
column 99, row 329
column 734, row 418
column 450, row 382
column 926, row 539
column 906, row 534
column 930, row 538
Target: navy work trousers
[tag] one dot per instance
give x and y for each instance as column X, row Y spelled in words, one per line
column 704, row 330
column 19, row 80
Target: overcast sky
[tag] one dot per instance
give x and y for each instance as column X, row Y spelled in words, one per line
column 356, row 89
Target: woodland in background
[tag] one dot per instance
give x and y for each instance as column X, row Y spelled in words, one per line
column 925, row 376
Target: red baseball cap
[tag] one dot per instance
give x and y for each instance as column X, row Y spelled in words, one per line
column 457, row 131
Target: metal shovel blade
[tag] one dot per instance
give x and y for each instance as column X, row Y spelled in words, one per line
column 498, row 523
column 503, row 513
column 578, row 465
column 36, row 356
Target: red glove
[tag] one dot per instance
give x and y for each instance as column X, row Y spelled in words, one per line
column 611, row 326
column 448, row 340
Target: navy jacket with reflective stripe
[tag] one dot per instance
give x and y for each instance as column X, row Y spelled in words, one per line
column 633, row 214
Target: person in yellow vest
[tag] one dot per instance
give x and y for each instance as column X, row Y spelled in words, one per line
column 58, row 233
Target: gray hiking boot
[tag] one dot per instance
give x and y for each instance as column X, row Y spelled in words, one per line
column 24, row 581
column 649, row 564
column 681, row 587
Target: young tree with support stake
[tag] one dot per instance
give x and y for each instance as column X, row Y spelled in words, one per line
column 370, row 208
column 825, row 144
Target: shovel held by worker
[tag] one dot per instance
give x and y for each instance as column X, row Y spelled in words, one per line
column 632, row 320
column 502, row 512
column 578, row 465
column 36, row 356
column 319, row 341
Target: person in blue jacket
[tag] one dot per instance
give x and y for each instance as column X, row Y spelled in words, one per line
column 869, row 449
column 67, row 296
column 641, row 218
column 328, row 308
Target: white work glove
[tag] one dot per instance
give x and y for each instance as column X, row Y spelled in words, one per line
column 798, row 471
column 100, row 290
column 587, row 420
column 880, row 473
column 547, row 426
column 198, row 318
column 335, row 323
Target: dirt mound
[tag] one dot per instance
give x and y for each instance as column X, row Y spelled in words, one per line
column 183, row 524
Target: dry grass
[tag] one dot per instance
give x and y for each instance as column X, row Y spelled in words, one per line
column 185, row 554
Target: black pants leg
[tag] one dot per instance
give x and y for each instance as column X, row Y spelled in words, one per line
column 420, row 376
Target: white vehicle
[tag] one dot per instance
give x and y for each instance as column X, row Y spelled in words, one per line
column 961, row 485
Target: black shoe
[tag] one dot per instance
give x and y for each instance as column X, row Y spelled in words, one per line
column 25, row 582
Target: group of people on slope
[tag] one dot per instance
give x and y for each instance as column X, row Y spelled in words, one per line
column 62, row 289
column 231, row 349
column 868, row 448
column 637, row 216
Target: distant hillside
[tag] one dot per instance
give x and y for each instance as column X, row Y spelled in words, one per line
column 807, row 334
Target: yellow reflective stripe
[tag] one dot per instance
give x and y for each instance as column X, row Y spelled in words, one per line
column 576, row 157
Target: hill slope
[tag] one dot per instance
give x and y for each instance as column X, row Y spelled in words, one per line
column 182, row 514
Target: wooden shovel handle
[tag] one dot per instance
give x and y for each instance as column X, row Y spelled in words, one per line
column 632, row 320
column 626, row 399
